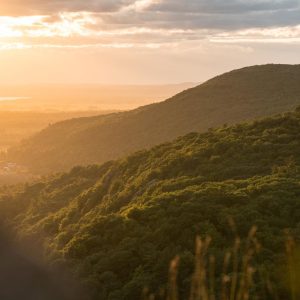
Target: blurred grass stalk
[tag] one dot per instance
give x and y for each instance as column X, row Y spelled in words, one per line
column 292, row 266
column 236, row 281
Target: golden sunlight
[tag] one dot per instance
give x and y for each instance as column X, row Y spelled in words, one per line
column 149, row 149
column 67, row 24
column 17, row 26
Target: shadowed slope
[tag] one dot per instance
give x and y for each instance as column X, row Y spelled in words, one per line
column 239, row 95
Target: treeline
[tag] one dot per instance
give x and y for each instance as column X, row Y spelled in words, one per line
column 117, row 226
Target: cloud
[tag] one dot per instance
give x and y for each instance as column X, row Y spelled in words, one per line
column 209, row 14
column 224, row 7
column 164, row 9
column 30, row 7
column 128, row 23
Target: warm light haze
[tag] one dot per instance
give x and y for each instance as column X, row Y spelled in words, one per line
column 142, row 41
column 149, row 149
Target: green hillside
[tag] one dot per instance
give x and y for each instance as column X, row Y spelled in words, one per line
column 117, row 226
column 237, row 96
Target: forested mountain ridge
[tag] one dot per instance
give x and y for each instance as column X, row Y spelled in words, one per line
column 236, row 96
column 117, row 226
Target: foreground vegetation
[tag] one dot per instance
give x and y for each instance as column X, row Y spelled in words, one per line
column 118, row 226
column 237, row 96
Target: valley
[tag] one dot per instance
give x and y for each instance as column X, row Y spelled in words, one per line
column 112, row 199
column 149, row 150
column 118, row 225
column 241, row 95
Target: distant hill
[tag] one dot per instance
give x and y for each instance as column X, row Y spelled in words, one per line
column 117, row 226
column 240, row 95
column 18, row 125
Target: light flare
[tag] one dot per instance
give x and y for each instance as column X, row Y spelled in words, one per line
column 67, row 24
column 90, row 29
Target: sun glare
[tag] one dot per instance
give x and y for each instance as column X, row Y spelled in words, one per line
column 16, row 26
column 67, row 24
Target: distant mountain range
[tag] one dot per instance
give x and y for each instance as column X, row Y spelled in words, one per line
column 240, row 95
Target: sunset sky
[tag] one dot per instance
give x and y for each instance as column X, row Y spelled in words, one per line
column 143, row 41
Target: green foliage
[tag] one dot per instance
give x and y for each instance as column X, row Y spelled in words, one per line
column 118, row 226
column 237, row 96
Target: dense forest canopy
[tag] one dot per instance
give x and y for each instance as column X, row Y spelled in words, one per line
column 117, row 226
column 236, row 96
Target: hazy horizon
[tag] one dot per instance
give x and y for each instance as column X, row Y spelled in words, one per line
column 76, row 97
